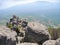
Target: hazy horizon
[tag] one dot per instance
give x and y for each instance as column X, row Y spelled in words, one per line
column 44, row 10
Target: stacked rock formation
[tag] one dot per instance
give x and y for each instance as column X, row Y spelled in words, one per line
column 18, row 30
column 18, row 25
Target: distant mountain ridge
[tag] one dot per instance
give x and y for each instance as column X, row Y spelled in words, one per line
column 32, row 7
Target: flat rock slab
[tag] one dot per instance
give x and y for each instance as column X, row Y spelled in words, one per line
column 27, row 44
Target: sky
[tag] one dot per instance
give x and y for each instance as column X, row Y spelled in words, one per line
column 10, row 3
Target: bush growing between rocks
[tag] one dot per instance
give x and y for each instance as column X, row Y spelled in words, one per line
column 55, row 32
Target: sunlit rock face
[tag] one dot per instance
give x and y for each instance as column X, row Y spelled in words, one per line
column 49, row 42
column 37, row 32
column 7, row 37
column 58, row 41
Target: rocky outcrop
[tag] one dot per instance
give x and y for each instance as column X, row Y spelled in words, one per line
column 37, row 32
column 33, row 32
column 7, row 37
column 49, row 42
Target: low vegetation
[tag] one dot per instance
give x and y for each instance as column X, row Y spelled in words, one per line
column 54, row 32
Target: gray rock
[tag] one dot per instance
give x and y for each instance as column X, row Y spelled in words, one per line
column 49, row 42
column 58, row 41
column 7, row 37
column 37, row 32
